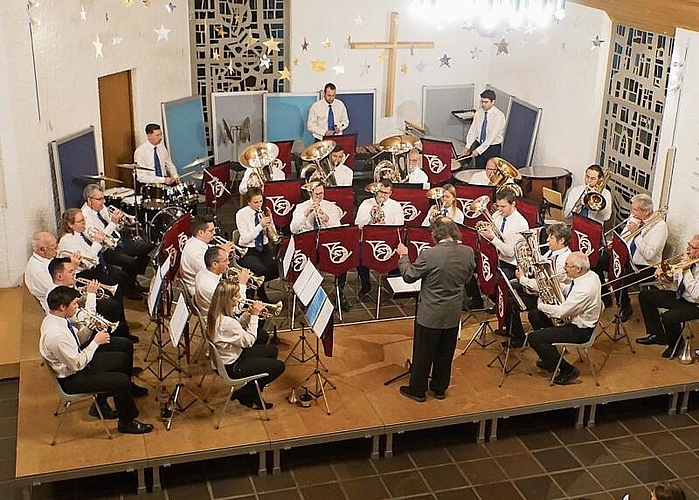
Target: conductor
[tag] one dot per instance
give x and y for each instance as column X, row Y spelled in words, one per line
column 444, row 269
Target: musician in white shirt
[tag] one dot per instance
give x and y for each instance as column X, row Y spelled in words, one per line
column 582, row 307
column 487, row 130
column 36, row 275
column 327, row 116
column 343, row 174
column 192, row 259
column 415, row 173
column 448, row 207
column 154, row 157
column 251, row 177
column 575, row 196
column 316, row 212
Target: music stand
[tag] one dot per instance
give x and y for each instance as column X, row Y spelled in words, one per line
column 378, row 254
column 338, row 252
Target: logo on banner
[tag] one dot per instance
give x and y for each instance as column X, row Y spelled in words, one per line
column 501, row 303
column 465, row 203
column 420, row 245
column 616, row 264
column 435, row 164
column 337, row 252
column 298, row 261
column 382, row 251
column 410, row 211
column 584, row 243
column 217, row 187
column 172, row 252
column 182, row 240
column 280, row 205
column 277, row 163
column 485, row 266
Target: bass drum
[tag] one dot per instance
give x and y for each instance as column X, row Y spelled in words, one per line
column 161, row 222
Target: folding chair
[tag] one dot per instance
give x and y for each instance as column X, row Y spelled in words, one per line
column 201, row 320
column 586, row 346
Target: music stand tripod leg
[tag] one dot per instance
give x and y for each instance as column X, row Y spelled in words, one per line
column 409, row 364
column 479, row 336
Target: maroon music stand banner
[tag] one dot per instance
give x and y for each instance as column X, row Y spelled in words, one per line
column 487, row 263
column 285, row 155
column 338, row 249
column 305, row 250
column 281, row 198
column 502, row 300
column 586, row 237
column 415, row 204
column 348, row 143
column 343, row 197
column 469, row 237
column 618, row 257
column 436, row 160
column 213, row 189
column 378, row 247
column 418, row 238
column 530, row 210
column 173, row 242
column 465, row 194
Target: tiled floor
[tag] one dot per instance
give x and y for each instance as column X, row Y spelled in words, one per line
column 633, row 445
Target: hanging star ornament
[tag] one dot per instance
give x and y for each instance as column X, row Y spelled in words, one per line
column 170, row 7
column 502, row 47
column 265, row 62
column 162, row 33
column 146, row 3
column 382, row 57
column 250, row 40
column 83, row 13
column 221, row 32
column 318, row 65
column 404, row 68
column 420, row 67
column 326, row 43
column 304, row 45
column 285, row 74
column 596, row 42
column 339, row 68
column 116, row 40
column 272, row 45
column 476, row 52
column 359, row 20
column 98, row 46
column 127, row 3
column 365, row 68
column 444, row 61
column 296, row 61
column 216, row 55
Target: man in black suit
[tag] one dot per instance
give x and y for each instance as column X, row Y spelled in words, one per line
column 444, row 270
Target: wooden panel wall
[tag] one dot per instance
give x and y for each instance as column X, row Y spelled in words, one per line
column 661, row 16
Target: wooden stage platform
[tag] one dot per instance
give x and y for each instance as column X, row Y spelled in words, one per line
column 362, row 406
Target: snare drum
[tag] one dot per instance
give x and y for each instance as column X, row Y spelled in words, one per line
column 154, row 196
column 114, row 196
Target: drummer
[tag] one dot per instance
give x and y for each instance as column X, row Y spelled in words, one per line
column 154, row 157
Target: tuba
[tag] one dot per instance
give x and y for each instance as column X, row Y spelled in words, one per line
column 259, row 157
column 319, row 167
column 505, row 175
column 398, row 146
column 549, row 287
column 480, row 206
column 386, row 169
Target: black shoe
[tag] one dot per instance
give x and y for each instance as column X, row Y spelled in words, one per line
column 136, row 370
column 476, row 304
column 501, row 332
column 512, row 344
column 650, row 340
column 567, row 377
column 625, row 313
column 406, row 391
column 138, row 391
column 133, row 338
column 133, row 295
column 364, row 291
column 134, row 427
column 668, row 353
column 344, row 305
column 141, row 288
column 607, row 301
column 439, row 394
column 108, row 413
column 541, row 365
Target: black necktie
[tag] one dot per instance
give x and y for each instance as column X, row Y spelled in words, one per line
column 156, row 163
column 75, row 336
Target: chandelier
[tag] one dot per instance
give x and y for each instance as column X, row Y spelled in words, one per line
column 489, row 14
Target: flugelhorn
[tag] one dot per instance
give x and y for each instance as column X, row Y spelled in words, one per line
column 107, row 240
column 95, row 321
column 129, row 220
column 254, row 283
column 238, row 251
column 90, row 261
column 101, row 291
column 270, row 229
column 268, row 310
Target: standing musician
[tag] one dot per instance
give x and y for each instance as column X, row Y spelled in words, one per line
column 415, row 173
column 235, row 340
column 251, row 177
column 444, row 270
column 343, row 174
column 380, row 209
column 192, row 259
column 154, row 156
column 645, row 248
column 487, row 131
column 254, row 225
column 682, row 305
column 582, row 306
column 327, row 116
column 85, row 363
column 445, row 207
column 316, row 212
column 575, row 196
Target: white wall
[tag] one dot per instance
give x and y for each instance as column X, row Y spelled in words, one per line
column 67, row 74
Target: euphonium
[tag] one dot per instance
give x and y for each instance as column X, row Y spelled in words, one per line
column 91, row 262
column 436, row 210
column 268, row 311
column 593, row 198
column 95, row 321
column 377, row 214
column 101, row 291
column 108, row 241
column 505, row 175
column 549, row 287
column 270, row 229
column 480, row 206
column 255, row 281
column 656, row 216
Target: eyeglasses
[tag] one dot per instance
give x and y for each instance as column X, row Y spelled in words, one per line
column 568, row 266
column 689, row 244
column 78, row 221
column 385, row 192
column 98, row 199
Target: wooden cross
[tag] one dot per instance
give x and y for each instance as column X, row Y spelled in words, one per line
column 392, row 46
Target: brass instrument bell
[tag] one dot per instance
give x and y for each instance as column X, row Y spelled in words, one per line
column 318, row 151
column 399, row 144
column 259, row 155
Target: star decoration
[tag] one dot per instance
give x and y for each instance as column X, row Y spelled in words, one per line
column 404, row 68
column 304, row 45
column 250, row 40
column 326, row 43
column 420, row 67
column 468, row 25
column 285, row 74
column 127, row 3
column 162, row 33
column 83, row 13
column 265, row 61
column 596, row 42
column 146, row 3
column 98, row 46
column 529, row 29
column 229, row 68
column 170, row 7
column 563, row 46
column 359, row 20
column 216, row 55
column 221, row 32
column 295, row 62
column 383, row 57
column 272, row 45
column 318, row 65
column 502, row 47
column 339, row 68
column 365, row 68
column 475, row 53
column 236, row 18
column 116, row 40
column 444, row 61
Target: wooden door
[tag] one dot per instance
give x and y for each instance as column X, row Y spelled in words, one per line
column 116, row 118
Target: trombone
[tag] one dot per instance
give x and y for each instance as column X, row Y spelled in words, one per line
column 95, row 321
column 89, row 261
column 268, row 311
column 254, row 283
column 101, row 291
column 238, row 251
column 129, row 220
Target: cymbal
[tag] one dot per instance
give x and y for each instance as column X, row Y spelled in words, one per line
column 318, row 151
column 197, row 176
column 197, row 161
column 103, row 178
column 399, row 143
column 132, row 166
column 259, row 155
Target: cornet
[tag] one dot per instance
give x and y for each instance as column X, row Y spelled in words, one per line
column 128, row 220
column 95, row 321
column 268, row 311
column 89, row 261
column 238, row 251
column 271, row 231
column 108, row 241
column 101, row 291
column 254, row 283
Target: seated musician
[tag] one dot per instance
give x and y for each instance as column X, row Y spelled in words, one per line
column 380, row 209
column 575, row 197
column 254, row 225
column 235, row 340
column 131, row 255
column 558, row 241
column 85, row 362
column 36, row 275
column 415, row 173
column 343, row 174
column 682, row 305
column 448, row 207
column 192, row 259
column 582, row 308
column 482, row 177
column 251, row 177
column 155, row 158
column 645, row 248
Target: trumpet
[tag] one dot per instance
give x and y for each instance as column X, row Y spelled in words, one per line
column 128, row 220
column 254, row 283
column 101, row 291
column 480, row 206
column 95, row 321
column 270, row 229
column 89, row 261
column 238, row 251
column 108, row 241
column 268, row 311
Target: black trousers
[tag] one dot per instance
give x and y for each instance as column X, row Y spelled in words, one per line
column 109, row 373
column 645, row 273
column 132, row 256
column 254, row 360
column 513, row 321
column 433, row 350
column 262, row 263
column 493, row 150
column 667, row 326
column 542, row 342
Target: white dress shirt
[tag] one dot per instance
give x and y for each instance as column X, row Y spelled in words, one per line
column 205, row 284
column 60, row 348
column 514, row 224
column 600, row 216
column 192, row 261
column 453, row 213
column 245, row 222
column 583, row 303
column 690, row 278
column 90, row 305
column 649, row 244
column 418, row 176
column 558, row 262
column 343, row 175
column 391, row 208
column 74, row 242
column 494, row 130
column 232, row 337
column 37, row 278
column 317, row 122
column 144, row 156
column 92, row 220
column 300, row 223
column 277, row 175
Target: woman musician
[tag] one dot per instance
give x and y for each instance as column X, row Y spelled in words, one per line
column 445, row 206
column 235, row 340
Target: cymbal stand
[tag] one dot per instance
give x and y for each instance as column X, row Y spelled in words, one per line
column 135, row 203
column 320, row 378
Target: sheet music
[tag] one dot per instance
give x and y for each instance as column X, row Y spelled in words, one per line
column 178, row 321
column 307, row 284
column 156, row 285
column 314, row 306
column 288, row 256
column 398, row 285
column 326, row 311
